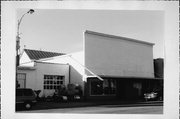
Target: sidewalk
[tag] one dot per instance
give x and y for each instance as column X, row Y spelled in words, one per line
column 56, row 105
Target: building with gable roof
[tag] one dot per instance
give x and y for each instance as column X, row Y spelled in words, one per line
column 31, row 71
column 29, row 56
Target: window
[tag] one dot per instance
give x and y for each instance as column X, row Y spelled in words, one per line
column 96, row 88
column 19, row 92
column 105, row 87
column 28, row 92
column 24, row 92
column 21, row 76
column 53, row 81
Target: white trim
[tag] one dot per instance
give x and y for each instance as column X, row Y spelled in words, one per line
column 119, row 37
column 51, row 58
column 26, row 68
column 50, row 63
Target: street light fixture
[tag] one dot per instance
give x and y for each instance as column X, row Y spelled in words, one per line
column 18, row 36
column 18, row 43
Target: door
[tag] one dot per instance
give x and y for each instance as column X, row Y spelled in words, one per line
column 21, row 78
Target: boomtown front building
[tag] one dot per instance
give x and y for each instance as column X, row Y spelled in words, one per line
column 109, row 67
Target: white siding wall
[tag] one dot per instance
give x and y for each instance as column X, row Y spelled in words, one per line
column 114, row 56
column 76, row 77
column 50, row 69
column 26, row 61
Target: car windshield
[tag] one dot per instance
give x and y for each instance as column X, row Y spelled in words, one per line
column 19, row 92
column 28, row 92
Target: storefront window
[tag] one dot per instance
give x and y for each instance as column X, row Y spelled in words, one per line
column 106, row 87
column 96, row 88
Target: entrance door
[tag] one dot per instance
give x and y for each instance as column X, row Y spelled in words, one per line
column 21, row 78
column 21, row 83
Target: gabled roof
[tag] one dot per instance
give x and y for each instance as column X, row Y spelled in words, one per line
column 38, row 54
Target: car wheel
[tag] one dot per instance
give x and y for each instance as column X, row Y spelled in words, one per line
column 27, row 105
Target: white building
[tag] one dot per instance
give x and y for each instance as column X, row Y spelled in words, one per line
column 109, row 66
column 41, row 76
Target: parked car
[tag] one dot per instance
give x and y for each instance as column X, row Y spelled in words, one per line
column 59, row 98
column 150, row 96
column 155, row 94
column 25, row 97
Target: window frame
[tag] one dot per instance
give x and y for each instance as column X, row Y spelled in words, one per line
column 103, row 94
column 22, row 79
column 50, row 82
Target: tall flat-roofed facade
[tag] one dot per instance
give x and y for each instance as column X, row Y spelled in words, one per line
column 123, row 67
column 109, row 55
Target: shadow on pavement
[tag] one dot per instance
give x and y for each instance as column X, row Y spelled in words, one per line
column 61, row 105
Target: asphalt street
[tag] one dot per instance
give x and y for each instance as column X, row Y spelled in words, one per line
column 105, row 109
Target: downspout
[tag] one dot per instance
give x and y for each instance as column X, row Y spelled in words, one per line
column 69, row 74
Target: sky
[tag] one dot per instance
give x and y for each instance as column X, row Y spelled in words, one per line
column 61, row 30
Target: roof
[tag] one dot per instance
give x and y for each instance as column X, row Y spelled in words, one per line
column 124, row 77
column 118, row 37
column 38, row 54
column 25, row 68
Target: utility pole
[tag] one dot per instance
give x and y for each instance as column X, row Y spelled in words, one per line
column 18, row 42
